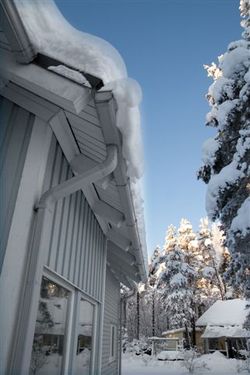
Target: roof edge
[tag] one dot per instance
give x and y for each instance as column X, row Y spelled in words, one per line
column 15, row 32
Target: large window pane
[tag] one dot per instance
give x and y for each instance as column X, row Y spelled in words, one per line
column 48, row 344
column 85, row 338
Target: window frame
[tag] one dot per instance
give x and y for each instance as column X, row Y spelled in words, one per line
column 78, row 296
column 113, row 343
column 72, row 318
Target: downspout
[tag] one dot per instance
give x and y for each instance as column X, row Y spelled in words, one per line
column 22, row 344
column 77, row 182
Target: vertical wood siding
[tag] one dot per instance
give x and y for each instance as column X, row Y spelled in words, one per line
column 76, row 242
column 15, row 130
column 111, row 316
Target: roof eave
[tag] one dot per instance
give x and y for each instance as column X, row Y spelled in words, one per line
column 15, row 32
column 106, row 107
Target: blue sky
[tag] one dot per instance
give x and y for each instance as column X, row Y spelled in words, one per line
column 165, row 44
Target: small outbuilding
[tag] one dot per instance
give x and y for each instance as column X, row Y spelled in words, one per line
column 179, row 335
column 223, row 327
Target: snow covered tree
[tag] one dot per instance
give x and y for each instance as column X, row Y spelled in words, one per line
column 226, row 157
column 215, row 259
column 176, row 282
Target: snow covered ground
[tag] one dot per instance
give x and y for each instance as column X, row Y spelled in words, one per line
column 216, row 362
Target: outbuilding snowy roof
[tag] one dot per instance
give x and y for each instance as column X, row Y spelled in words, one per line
column 225, row 313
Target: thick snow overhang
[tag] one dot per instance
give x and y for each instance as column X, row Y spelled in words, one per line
column 225, row 331
column 84, row 121
column 225, row 313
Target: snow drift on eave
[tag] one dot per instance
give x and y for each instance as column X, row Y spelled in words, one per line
column 51, row 35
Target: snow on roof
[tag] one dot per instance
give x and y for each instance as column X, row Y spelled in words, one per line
column 51, row 35
column 225, row 331
column 222, row 313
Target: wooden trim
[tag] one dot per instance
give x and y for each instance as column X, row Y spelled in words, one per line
column 45, row 83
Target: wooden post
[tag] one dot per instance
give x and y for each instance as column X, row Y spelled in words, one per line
column 153, row 314
column 138, row 314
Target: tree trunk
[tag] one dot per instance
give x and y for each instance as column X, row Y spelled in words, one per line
column 188, row 344
column 193, row 332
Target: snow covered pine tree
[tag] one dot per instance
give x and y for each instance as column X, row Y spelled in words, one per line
column 176, row 282
column 226, row 157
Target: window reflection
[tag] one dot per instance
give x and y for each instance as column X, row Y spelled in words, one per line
column 48, row 343
column 84, row 339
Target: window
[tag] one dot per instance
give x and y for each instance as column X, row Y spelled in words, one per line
column 50, row 330
column 84, row 338
column 113, row 338
column 64, row 331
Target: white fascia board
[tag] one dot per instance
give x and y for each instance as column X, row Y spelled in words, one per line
column 29, row 101
column 65, row 138
column 47, row 84
column 63, row 133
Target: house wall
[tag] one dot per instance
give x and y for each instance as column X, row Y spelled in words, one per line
column 111, row 316
column 181, row 334
column 199, row 341
column 31, row 163
column 75, row 242
column 14, row 141
column 24, row 155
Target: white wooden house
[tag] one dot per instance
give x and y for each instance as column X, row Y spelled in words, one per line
column 69, row 230
column 223, row 327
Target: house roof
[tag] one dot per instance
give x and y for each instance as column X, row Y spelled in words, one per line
column 225, row 313
column 84, row 119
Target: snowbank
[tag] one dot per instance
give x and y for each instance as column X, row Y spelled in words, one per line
column 217, row 363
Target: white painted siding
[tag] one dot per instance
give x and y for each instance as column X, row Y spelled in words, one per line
column 111, row 316
column 15, row 131
column 4, row 44
column 76, row 242
column 27, row 189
